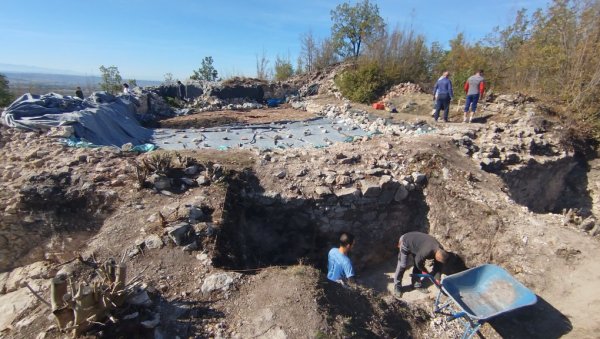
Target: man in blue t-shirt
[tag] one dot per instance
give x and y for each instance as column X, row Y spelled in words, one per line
column 339, row 267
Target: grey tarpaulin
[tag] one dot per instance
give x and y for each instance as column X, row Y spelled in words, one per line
column 105, row 120
column 101, row 119
column 319, row 132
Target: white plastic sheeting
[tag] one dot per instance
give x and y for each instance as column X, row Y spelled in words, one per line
column 101, row 119
column 105, row 120
column 320, row 132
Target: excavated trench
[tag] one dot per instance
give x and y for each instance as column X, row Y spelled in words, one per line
column 551, row 187
column 262, row 229
column 56, row 211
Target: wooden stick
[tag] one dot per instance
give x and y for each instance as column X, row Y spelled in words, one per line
column 136, row 277
column 37, row 295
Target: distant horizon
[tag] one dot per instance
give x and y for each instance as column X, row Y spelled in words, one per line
column 43, row 83
column 33, row 69
column 146, row 40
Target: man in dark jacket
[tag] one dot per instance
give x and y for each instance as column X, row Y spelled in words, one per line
column 444, row 92
column 79, row 93
column 421, row 247
column 181, row 90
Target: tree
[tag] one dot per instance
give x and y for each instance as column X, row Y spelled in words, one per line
column 5, row 96
column 365, row 83
column 207, row 71
column 111, row 79
column 308, row 52
column 169, row 79
column 299, row 66
column 326, row 55
column 132, row 83
column 355, row 25
column 435, row 56
column 401, row 53
column 262, row 64
column 283, row 69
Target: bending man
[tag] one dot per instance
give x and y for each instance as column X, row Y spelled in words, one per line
column 422, row 247
column 339, row 266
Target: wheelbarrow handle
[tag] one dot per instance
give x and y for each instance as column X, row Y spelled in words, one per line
column 430, row 277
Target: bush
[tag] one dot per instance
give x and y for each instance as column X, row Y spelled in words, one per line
column 364, row 84
column 5, row 97
column 283, row 69
column 173, row 102
column 111, row 79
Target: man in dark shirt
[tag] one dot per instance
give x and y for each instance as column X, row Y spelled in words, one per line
column 79, row 93
column 443, row 93
column 181, row 93
column 422, row 247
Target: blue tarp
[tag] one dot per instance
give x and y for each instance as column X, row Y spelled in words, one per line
column 275, row 102
column 105, row 120
column 101, row 119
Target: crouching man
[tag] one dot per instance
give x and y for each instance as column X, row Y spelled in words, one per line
column 339, row 266
column 421, row 247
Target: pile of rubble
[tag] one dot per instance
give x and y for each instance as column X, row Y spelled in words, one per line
column 357, row 118
column 233, row 94
column 167, row 173
column 500, row 146
column 400, row 90
column 321, row 82
column 189, row 231
column 212, row 104
column 572, row 217
column 150, row 105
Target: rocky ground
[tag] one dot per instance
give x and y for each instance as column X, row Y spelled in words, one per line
column 232, row 244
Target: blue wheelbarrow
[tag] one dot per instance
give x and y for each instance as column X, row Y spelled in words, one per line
column 478, row 294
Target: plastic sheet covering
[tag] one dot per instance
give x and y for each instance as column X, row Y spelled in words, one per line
column 105, row 120
column 101, row 119
column 314, row 133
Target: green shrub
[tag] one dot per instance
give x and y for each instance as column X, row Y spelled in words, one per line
column 5, row 96
column 173, row 102
column 364, row 84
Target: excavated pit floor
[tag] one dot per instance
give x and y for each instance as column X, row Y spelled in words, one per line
column 261, row 231
column 552, row 187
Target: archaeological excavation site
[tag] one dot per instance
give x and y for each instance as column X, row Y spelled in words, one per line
column 130, row 216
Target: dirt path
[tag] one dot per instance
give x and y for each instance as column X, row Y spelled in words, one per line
column 220, row 118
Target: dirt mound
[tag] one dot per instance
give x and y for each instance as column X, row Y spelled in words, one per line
column 400, row 90
column 296, row 302
column 278, row 303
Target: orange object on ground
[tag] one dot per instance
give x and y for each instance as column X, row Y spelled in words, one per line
column 379, row 105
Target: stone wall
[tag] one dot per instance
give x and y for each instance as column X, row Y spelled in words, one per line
column 264, row 228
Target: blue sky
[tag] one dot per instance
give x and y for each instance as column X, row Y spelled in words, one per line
column 147, row 38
